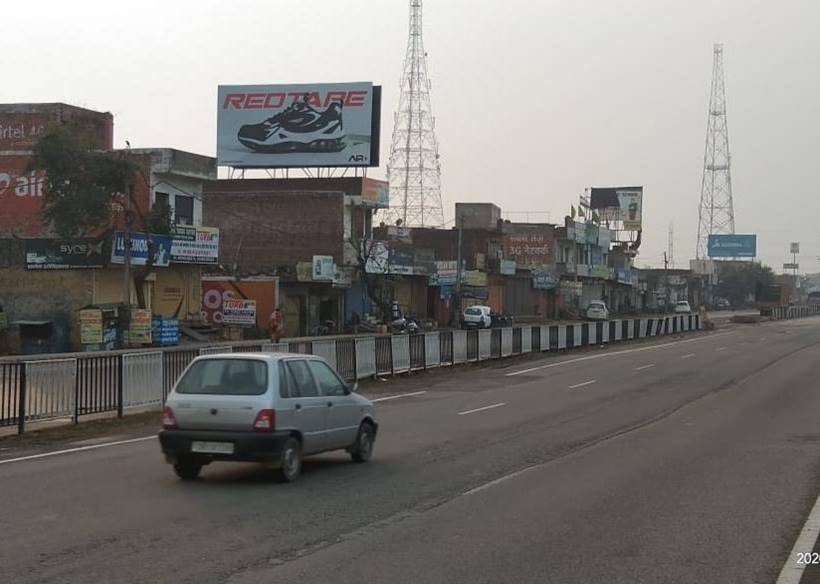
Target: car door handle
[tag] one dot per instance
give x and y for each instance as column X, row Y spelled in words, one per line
column 330, row 404
column 298, row 406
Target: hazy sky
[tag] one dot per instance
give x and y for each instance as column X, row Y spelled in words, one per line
column 534, row 100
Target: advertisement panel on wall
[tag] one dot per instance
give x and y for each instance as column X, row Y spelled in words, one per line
column 732, row 246
column 21, row 197
column 530, row 249
column 323, row 268
column 139, row 249
column 264, row 290
column 91, row 326
column 64, row 254
column 282, row 126
column 195, row 245
column 545, row 280
column 239, row 312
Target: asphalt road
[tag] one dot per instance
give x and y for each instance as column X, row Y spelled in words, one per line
column 694, row 459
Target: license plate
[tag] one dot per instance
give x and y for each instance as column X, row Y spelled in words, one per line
column 212, row 447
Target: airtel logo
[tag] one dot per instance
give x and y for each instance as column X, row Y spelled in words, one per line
column 22, row 185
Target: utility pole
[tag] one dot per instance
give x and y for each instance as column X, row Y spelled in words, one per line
column 666, row 280
column 126, row 241
column 670, row 244
column 457, row 303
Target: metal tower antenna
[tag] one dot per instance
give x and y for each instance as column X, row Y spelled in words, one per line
column 413, row 171
column 670, row 245
column 716, row 213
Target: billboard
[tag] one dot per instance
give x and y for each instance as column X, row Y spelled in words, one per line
column 139, row 249
column 323, row 268
column 794, row 247
column 732, row 246
column 239, row 311
column 375, row 193
column 623, row 204
column 195, row 245
column 284, row 126
column 530, row 248
column 64, row 254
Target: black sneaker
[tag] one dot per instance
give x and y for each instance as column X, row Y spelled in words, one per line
column 298, row 128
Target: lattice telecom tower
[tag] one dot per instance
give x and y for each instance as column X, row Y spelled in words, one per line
column 413, row 171
column 716, row 212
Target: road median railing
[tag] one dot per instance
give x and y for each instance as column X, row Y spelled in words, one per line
column 70, row 386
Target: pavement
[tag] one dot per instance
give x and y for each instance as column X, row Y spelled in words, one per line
column 688, row 459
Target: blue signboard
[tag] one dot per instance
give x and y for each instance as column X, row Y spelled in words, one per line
column 139, row 249
column 732, row 246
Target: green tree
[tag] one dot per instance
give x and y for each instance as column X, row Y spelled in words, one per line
column 738, row 281
column 80, row 183
column 81, row 186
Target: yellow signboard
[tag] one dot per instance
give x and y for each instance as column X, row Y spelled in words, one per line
column 91, row 326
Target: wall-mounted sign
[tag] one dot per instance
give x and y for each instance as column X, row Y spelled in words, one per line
column 64, row 254
column 140, row 243
column 139, row 333
column 507, row 267
column 239, row 312
column 195, row 245
column 91, row 326
column 323, row 268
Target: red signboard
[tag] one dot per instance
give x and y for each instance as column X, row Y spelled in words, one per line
column 21, row 197
column 529, row 249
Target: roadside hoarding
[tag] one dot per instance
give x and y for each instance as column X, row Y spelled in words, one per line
column 624, row 204
column 195, row 245
column 530, row 249
column 263, row 289
column 732, row 246
column 307, row 125
column 64, row 254
column 239, row 312
column 794, row 247
column 139, row 249
column 791, row 266
column 375, row 193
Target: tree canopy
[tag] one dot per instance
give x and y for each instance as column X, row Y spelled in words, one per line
column 738, row 281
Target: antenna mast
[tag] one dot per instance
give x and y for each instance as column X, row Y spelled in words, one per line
column 716, row 213
column 413, row 170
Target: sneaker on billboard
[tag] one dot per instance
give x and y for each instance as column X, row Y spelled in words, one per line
column 297, row 128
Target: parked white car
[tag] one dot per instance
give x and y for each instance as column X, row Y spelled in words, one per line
column 477, row 317
column 597, row 310
column 682, row 307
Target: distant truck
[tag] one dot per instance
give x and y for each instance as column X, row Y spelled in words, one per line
column 772, row 296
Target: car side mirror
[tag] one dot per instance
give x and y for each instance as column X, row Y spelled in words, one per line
column 351, row 387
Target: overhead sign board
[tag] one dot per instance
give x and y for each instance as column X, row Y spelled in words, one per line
column 732, row 246
column 285, row 126
column 624, row 204
column 64, row 254
column 791, row 266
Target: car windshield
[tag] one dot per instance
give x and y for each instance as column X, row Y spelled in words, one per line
column 225, row 377
column 473, row 311
column 596, row 305
column 683, row 303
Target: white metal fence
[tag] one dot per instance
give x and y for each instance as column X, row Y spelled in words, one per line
column 142, row 379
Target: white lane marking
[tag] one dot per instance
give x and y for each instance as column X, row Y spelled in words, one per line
column 499, row 480
column 614, row 353
column 642, row 367
column 78, row 449
column 498, row 405
column 792, row 572
column 389, row 397
column 688, row 355
column 590, row 382
column 720, row 349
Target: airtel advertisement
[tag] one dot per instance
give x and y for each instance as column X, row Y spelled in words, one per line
column 282, row 126
column 21, row 197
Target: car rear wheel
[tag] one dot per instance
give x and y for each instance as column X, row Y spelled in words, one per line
column 187, row 469
column 290, row 460
column 363, row 447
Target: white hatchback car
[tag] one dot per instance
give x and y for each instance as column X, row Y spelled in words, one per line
column 271, row 408
column 597, row 310
column 477, row 317
column 682, row 307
